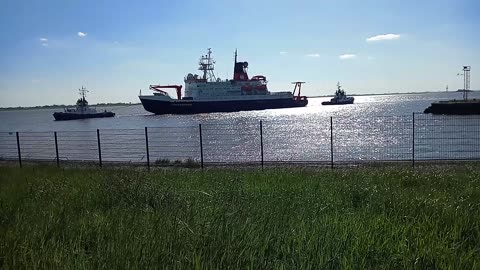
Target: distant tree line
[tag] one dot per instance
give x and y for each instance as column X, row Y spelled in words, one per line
column 55, row 106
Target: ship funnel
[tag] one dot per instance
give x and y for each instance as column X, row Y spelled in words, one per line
column 240, row 70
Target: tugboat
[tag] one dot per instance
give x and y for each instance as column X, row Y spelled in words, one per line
column 81, row 111
column 206, row 93
column 340, row 97
column 459, row 107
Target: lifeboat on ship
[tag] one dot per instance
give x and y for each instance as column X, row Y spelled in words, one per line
column 247, row 88
column 262, row 87
column 259, row 78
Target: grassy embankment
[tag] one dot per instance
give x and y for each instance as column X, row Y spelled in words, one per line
column 219, row 219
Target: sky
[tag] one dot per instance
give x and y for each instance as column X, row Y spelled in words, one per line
column 50, row 48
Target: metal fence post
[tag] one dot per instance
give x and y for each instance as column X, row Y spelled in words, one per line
column 261, row 140
column 19, row 152
column 331, row 142
column 56, row 149
column 201, row 145
column 148, row 151
column 99, row 148
column 413, row 140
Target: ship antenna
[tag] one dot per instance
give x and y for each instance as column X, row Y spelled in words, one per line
column 207, row 65
column 82, row 91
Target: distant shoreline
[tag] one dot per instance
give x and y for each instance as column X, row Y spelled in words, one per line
column 132, row 104
column 54, row 106
column 388, row 94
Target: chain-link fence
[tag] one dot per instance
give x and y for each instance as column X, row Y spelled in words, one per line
column 328, row 141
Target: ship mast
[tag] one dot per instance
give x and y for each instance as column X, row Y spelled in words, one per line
column 82, row 92
column 235, row 59
column 207, row 65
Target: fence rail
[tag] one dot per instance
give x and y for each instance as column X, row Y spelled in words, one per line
column 328, row 141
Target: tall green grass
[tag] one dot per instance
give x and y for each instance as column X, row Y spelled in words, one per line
column 239, row 219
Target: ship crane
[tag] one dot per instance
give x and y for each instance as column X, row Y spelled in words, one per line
column 159, row 87
column 298, row 85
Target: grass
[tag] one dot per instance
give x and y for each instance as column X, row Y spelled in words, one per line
column 187, row 163
column 239, row 219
